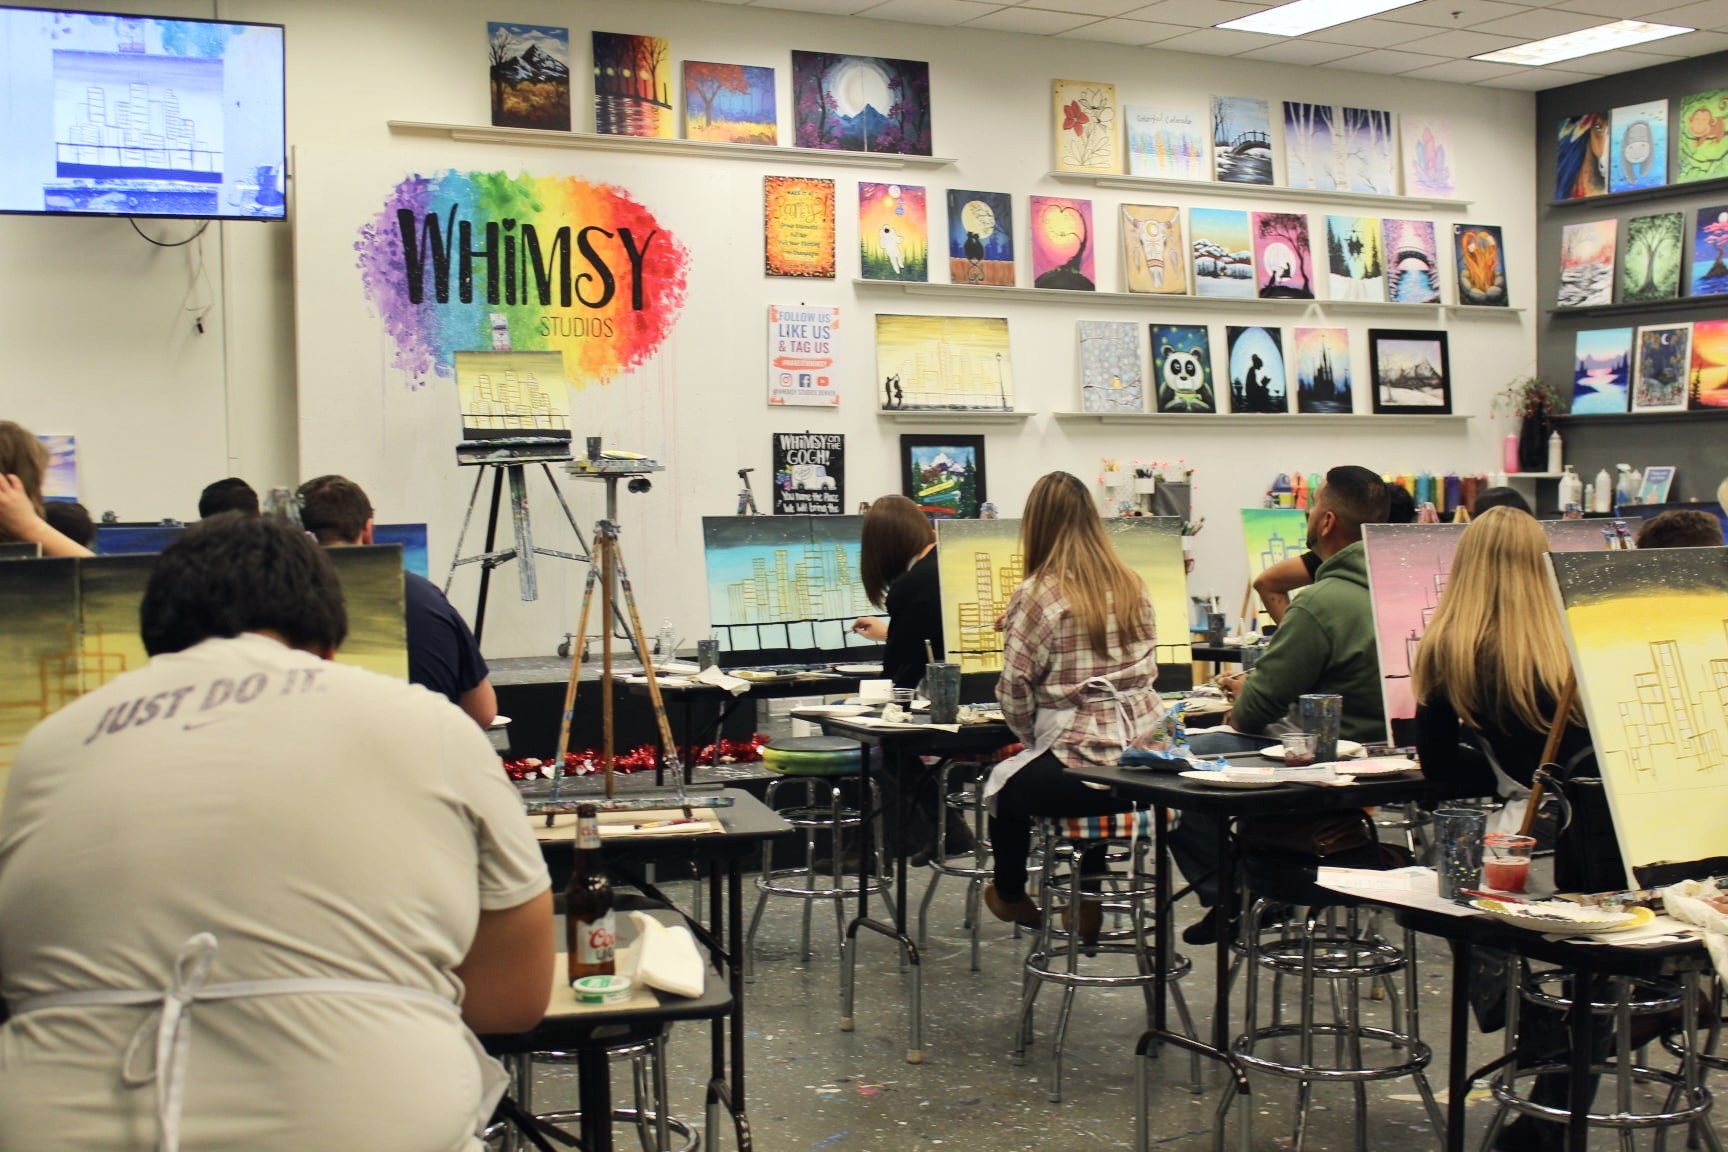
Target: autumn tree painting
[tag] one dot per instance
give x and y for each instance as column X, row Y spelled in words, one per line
column 731, row 103
column 632, row 85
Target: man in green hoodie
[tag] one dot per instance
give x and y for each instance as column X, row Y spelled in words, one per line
column 1324, row 644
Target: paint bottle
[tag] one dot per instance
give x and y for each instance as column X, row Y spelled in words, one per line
column 1571, row 490
column 1603, row 501
column 1509, row 453
column 1556, row 450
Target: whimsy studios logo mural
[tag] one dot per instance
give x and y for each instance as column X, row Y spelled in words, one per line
column 462, row 261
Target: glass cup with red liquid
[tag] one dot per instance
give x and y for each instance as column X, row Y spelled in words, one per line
column 1506, row 860
column 1299, row 748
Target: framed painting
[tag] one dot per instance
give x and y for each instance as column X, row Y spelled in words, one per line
column 1410, row 372
column 943, row 474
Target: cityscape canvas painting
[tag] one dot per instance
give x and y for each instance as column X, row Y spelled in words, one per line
column 1257, row 379
column 1355, row 263
column 784, row 582
column 1587, row 264
column 1322, row 360
column 1601, row 371
column 1638, row 147
column 1167, row 143
column 1581, row 158
column 980, row 238
column 633, row 86
column 1182, row 368
column 529, row 70
column 1370, row 151
column 729, row 103
column 1480, row 259
column 1408, row 565
column 1223, row 252
column 1661, row 368
column 1110, row 366
column 944, row 363
column 1283, row 256
column 1650, row 269
column 1063, row 244
column 1410, row 371
column 1701, row 129
column 1708, row 385
column 1649, row 637
column 1088, row 137
column 893, row 241
column 509, row 394
column 1412, row 261
column 861, row 103
column 1241, row 140
column 1272, row 536
column 944, row 475
column 1311, row 146
column 1427, row 157
column 798, row 226
column 1710, row 253
column 1152, row 251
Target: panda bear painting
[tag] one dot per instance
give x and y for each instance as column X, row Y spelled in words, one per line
column 1182, row 367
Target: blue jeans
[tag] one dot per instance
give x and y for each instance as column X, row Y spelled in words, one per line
column 1194, row 841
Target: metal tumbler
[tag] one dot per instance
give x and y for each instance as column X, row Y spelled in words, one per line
column 1458, row 849
column 942, row 685
column 1320, row 712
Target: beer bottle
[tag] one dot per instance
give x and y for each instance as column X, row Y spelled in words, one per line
column 588, row 918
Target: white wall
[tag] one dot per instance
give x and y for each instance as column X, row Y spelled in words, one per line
column 149, row 401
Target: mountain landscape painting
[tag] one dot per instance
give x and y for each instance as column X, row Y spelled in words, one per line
column 1601, row 369
column 530, row 76
column 1223, row 252
column 861, row 103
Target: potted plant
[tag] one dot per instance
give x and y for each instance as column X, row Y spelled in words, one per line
column 1534, row 402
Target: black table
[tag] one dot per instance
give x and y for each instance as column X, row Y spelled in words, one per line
column 692, row 696
column 1217, row 653
column 900, row 748
column 746, row 824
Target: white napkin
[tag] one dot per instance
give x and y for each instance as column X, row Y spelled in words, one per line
column 720, row 679
column 662, row 957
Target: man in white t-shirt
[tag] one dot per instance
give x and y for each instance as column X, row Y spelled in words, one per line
column 242, row 805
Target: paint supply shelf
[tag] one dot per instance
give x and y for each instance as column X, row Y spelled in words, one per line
column 712, row 149
column 1364, row 419
column 1255, row 191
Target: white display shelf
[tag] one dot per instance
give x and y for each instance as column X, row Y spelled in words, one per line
column 1246, row 419
column 1379, row 308
column 958, row 416
column 1257, row 192
column 1063, row 296
column 541, row 138
column 1534, row 475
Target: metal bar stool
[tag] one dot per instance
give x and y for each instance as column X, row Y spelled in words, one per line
column 1128, row 892
column 819, row 766
column 969, row 802
column 654, row 1125
column 1687, row 1100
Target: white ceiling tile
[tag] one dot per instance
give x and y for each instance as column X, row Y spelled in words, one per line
column 1302, row 51
column 1539, row 24
column 1460, row 45
column 1196, row 13
column 1136, row 32
column 932, row 11
column 1610, row 63
column 1612, row 9
column 1537, row 79
column 1221, row 42
column 1387, row 62
column 829, row 7
column 1036, row 22
column 1369, row 34
column 1454, row 13
column 1096, row 7
column 1465, row 71
column 1708, row 15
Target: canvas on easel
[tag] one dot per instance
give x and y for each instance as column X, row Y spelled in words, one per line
column 1408, row 565
column 514, row 395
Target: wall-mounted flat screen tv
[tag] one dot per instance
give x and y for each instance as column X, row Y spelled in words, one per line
column 140, row 116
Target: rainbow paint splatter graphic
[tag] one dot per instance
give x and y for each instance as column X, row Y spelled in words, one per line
column 464, row 261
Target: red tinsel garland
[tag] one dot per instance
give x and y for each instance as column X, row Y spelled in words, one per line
column 643, row 758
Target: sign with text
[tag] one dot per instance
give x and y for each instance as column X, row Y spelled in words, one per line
column 803, row 345
column 809, row 474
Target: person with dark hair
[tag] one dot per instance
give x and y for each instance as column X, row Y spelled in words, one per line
column 72, row 520
column 1681, row 528
column 442, row 653
column 230, row 495
column 897, row 564
column 1275, row 584
column 1500, row 497
column 23, row 464
column 197, row 887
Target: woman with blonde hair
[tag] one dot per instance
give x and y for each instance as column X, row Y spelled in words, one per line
column 1079, row 663
column 23, row 463
column 897, row 564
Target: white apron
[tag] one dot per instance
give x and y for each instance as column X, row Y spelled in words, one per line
column 1048, row 724
column 170, row 1026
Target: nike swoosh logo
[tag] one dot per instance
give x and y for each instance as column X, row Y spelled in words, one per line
column 189, row 726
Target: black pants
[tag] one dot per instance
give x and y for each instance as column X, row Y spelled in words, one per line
column 1042, row 788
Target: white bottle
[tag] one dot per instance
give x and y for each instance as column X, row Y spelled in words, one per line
column 1555, row 451
column 1571, row 489
column 667, row 638
column 1603, row 500
column 1589, row 503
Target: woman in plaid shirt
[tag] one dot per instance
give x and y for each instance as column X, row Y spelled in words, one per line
column 1079, row 664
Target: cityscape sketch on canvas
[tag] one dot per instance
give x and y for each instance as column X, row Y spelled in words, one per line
column 1701, row 127
column 1708, row 384
column 1638, row 147
column 1311, row 146
column 1323, row 380
column 1408, row 565
column 980, row 238
column 1601, row 370
column 1427, row 157
column 1110, row 366
column 633, row 86
column 729, row 103
column 1088, row 138
column 1650, row 269
column 1370, row 150
column 1272, row 536
column 1587, row 264
column 1284, row 256
column 1063, row 244
column 1182, row 368
column 1649, row 637
column 1167, row 143
column 510, row 394
column 784, row 582
column 1223, row 252
column 1412, row 261
column 1661, row 368
column 1257, row 379
column 893, row 241
column 1479, row 255
column 1152, row 249
column 1241, row 140
column 1355, row 265
column 529, row 70
column 1710, row 253
column 1581, row 157
column 861, row 103
column 943, row 363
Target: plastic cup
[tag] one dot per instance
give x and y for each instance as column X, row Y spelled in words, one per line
column 1321, row 713
column 1458, row 850
column 903, row 697
column 1298, row 749
column 1506, row 860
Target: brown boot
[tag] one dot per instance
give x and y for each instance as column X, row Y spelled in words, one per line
column 1022, row 911
column 1091, row 920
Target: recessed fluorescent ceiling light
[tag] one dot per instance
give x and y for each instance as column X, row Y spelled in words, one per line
column 1306, row 16
column 1588, row 42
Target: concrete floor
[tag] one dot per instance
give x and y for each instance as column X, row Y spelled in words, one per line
column 812, row 1086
